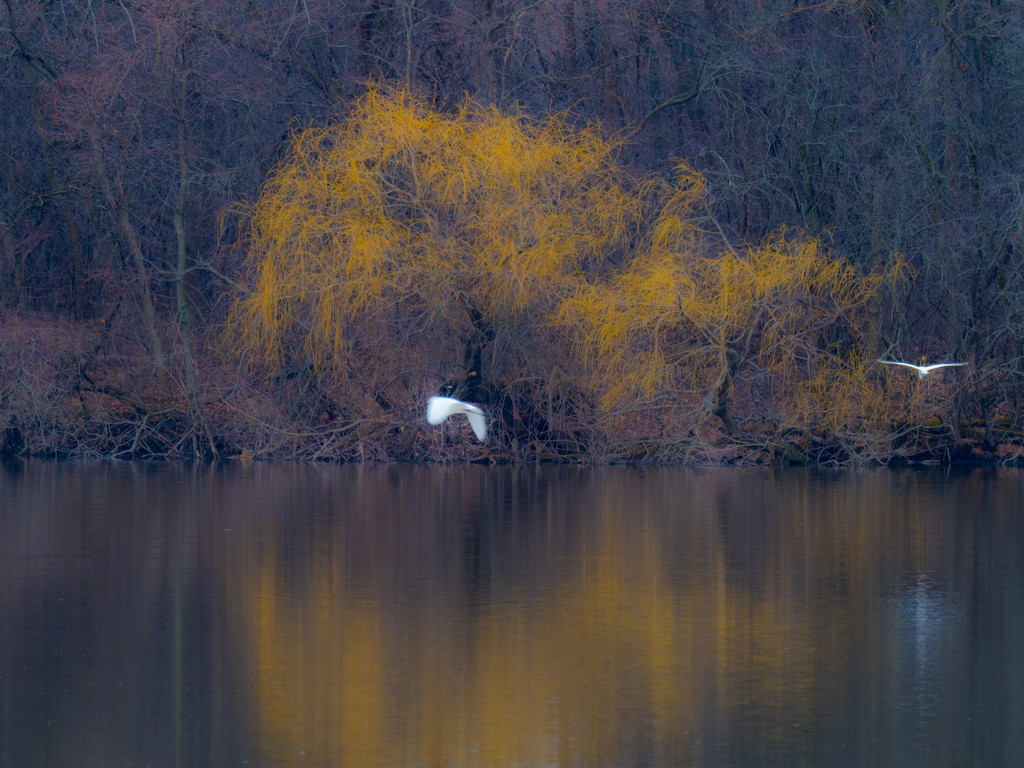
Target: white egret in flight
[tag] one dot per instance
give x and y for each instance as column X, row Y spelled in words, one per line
column 922, row 370
column 440, row 408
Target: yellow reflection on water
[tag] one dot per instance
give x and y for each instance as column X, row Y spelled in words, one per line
column 401, row 616
column 633, row 630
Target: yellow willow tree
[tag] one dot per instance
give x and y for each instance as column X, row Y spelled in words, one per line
column 400, row 247
column 770, row 337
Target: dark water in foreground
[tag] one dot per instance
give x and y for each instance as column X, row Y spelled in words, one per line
column 282, row 615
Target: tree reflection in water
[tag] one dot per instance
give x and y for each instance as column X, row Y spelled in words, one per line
column 473, row 616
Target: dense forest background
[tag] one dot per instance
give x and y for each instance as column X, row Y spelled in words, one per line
column 881, row 135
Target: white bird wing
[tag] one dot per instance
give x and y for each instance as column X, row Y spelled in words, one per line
column 942, row 365
column 477, row 421
column 905, row 365
column 440, row 408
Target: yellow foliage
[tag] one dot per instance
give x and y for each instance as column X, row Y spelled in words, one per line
column 681, row 322
column 398, row 211
column 398, row 229
column 840, row 396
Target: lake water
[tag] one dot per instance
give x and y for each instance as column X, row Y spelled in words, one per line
column 315, row 615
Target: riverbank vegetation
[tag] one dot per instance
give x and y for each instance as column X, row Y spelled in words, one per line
column 682, row 236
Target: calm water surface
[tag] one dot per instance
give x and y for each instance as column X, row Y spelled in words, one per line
column 287, row 615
